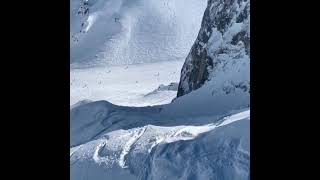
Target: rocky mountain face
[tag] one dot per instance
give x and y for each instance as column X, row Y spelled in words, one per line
column 222, row 45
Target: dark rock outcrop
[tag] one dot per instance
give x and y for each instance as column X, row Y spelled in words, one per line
column 225, row 29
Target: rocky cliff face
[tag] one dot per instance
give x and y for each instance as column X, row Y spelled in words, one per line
column 221, row 50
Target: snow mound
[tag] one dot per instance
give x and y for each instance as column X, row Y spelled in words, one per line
column 131, row 143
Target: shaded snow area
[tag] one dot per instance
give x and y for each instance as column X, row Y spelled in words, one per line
column 140, row 143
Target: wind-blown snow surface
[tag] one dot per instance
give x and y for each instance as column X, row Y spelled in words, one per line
column 145, row 143
column 118, row 32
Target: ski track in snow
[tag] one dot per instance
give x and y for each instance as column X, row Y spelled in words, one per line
column 96, row 156
column 160, row 143
column 136, row 134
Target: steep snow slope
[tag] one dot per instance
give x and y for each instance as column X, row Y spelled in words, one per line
column 112, row 142
column 132, row 31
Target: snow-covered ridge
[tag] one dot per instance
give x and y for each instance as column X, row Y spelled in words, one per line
column 132, row 31
column 133, row 143
column 91, row 119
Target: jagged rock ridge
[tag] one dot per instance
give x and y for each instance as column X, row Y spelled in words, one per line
column 224, row 37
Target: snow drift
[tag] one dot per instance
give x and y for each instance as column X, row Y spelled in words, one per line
column 112, row 142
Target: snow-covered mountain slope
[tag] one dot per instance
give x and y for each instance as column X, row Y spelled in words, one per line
column 219, row 59
column 112, row 142
column 122, row 50
column 202, row 134
column 89, row 119
column 118, row 32
column 126, row 85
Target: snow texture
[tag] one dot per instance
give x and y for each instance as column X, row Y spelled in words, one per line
column 117, row 32
column 134, row 143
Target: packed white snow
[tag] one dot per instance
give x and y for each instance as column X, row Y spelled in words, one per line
column 127, row 85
